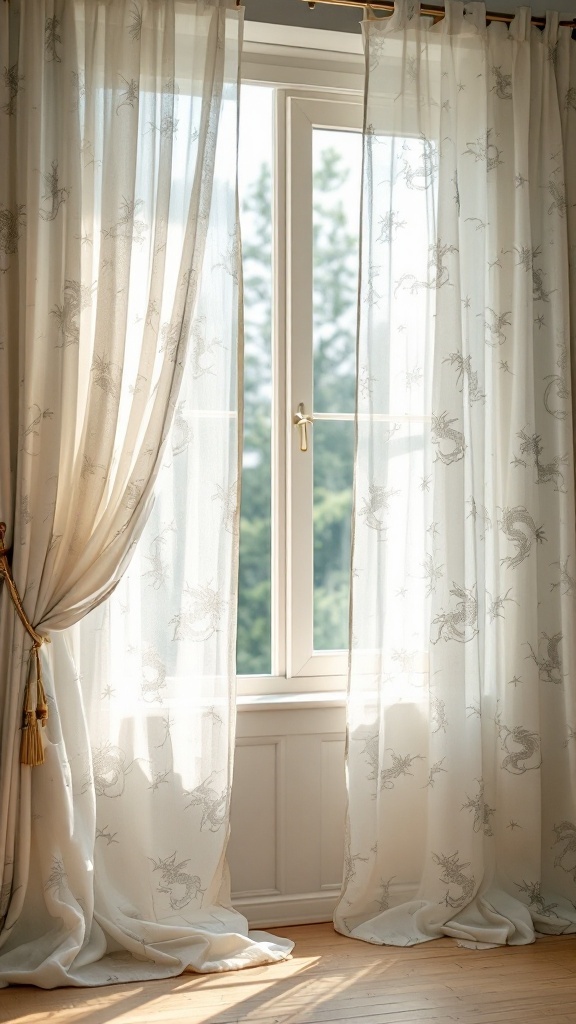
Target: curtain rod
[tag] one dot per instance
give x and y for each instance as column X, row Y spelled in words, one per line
column 433, row 12
column 429, row 11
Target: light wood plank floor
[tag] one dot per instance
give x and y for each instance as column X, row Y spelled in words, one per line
column 331, row 978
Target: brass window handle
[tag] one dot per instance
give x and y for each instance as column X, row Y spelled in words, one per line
column 301, row 420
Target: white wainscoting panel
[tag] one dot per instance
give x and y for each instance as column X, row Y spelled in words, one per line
column 253, row 848
column 287, row 816
column 333, row 799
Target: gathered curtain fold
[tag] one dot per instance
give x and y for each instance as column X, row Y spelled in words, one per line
column 118, row 134
column 462, row 700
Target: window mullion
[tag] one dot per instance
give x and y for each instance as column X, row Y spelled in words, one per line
column 279, row 396
column 300, row 378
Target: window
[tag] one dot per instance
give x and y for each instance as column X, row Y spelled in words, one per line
column 299, row 175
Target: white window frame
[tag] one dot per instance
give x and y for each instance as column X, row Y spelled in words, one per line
column 319, row 78
column 305, row 112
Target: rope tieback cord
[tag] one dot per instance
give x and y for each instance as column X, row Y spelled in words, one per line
column 31, row 748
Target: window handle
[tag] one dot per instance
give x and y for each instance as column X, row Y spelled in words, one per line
column 301, row 420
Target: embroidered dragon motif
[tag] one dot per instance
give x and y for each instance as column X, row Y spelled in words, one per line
column 484, row 150
column 128, row 228
column 76, row 298
column 453, row 874
column 539, row 293
column 494, row 327
column 213, row 801
column 444, row 433
column 520, row 538
column 229, row 498
column 199, row 620
column 558, row 385
column 547, row 658
column 460, row 624
column 566, row 580
column 180, row 886
column 153, row 675
column 203, row 358
column 502, row 83
column 400, row 766
column 12, row 222
column 566, row 833
column 515, row 761
column 372, row 753
column 54, row 195
column 379, row 501
column 109, row 770
column 31, row 432
column 350, row 868
column 423, row 174
column 482, row 812
column 440, row 273
column 466, row 377
column 536, row 899
column 181, row 431
column 549, row 472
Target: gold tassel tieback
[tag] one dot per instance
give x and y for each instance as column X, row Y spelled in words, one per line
column 31, row 749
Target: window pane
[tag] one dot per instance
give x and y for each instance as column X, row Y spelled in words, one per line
column 255, row 184
column 337, row 166
column 333, row 461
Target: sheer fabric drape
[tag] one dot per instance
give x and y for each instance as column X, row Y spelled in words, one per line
column 117, row 246
column 462, row 716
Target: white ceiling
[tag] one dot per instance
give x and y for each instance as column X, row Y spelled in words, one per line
column 346, row 19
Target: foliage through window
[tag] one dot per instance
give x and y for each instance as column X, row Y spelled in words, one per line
column 331, row 235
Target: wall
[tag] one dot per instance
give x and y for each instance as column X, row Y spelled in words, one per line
column 287, row 822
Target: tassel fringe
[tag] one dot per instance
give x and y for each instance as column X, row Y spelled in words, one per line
column 31, row 747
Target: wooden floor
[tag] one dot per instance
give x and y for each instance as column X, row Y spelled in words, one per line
column 330, row 978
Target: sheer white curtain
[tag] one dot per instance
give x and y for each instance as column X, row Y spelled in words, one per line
column 118, row 256
column 462, row 705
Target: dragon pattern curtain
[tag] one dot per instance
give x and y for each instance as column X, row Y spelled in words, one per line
column 462, row 702
column 119, row 297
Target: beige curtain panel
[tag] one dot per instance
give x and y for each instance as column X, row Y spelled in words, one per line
column 117, row 204
column 462, row 706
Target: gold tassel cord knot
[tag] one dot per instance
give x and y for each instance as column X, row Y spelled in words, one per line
column 31, row 749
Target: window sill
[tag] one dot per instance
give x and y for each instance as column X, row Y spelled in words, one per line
column 291, row 701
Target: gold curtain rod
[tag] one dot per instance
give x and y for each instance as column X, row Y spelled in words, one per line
column 429, row 11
